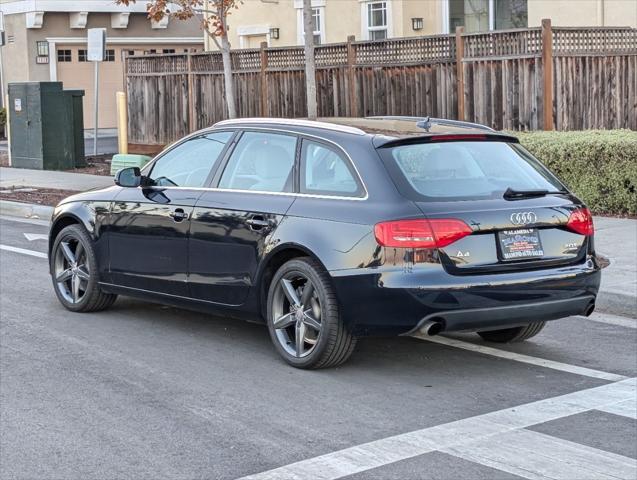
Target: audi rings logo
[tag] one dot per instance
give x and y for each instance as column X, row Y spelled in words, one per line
column 523, row 218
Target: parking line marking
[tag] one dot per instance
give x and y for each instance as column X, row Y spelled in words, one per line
column 23, row 251
column 32, row 221
column 480, row 428
column 612, row 320
column 535, row 455
column 519, row 357
column 625, row 409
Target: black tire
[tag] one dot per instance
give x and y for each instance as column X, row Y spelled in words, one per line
column 93, row 298
column 334, row 344
column 516, row 334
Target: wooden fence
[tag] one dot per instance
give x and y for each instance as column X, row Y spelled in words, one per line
column 523, row 79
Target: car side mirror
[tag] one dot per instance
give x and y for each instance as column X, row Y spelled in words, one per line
column 128, row 177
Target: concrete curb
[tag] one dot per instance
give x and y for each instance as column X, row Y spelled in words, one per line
column 25, row 210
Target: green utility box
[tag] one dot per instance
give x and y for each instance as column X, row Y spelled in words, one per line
column 46, row 126
column 122, row 160
column 77, row 122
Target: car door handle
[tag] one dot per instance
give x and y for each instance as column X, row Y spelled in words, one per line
column 258, row 222
column 178, row 215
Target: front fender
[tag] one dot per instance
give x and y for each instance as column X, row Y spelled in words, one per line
column 93, row 216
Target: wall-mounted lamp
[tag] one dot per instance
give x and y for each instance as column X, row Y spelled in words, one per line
column 274, row 33
column 416, row 23
column 43, row 48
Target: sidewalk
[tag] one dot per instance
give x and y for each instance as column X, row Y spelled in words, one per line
column 22, row 177
column 615, row 238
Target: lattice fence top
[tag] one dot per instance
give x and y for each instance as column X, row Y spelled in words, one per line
column 400, row 51
column 503, row 43
column 158, row 64
column 602, row 40
column 406, row 50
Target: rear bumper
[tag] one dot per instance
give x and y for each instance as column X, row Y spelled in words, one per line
column 394, row 302
column 494, row 318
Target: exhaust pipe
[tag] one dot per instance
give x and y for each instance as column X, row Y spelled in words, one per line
column 432, row 327
column 589, row 309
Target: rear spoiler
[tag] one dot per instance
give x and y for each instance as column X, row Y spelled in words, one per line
column 381, row 141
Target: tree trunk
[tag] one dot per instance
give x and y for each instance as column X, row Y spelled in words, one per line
column 227, row 77
column 310, row 65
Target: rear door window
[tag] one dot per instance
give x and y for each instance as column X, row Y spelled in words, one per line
column 324, row 171
column 261, row 162
column 466, row 170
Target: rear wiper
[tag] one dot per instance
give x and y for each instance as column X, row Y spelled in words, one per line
column 510, row 193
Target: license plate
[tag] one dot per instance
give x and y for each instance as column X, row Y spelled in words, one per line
column 520, row 244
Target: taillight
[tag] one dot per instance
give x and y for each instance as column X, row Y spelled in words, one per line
column 435, row 233
column 581, row 221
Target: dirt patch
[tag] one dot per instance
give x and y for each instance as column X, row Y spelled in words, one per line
column 40, row 196
column 100, row 165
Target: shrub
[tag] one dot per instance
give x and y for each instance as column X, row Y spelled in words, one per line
column 599, row 166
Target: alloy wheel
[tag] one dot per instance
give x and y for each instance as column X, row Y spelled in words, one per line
column 71, row 270
column 296, row 313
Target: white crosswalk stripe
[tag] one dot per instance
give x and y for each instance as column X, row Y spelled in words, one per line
column 538, row 456
column 519, row 357
column 490, row 427
column 625, row 409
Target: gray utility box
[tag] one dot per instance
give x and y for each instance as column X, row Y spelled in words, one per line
column 46, row 126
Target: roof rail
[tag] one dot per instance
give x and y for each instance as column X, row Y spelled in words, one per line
column 293, row 122
column 438, row 121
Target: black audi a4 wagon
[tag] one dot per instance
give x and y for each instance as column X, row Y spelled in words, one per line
column 329, row 231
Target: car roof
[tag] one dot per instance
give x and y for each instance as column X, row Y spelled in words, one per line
column 385, row 130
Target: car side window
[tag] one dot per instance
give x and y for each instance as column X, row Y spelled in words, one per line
column 324, row 171
column 261, row 162
column 190, row 163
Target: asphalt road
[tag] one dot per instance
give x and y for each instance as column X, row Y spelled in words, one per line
column 147, row 391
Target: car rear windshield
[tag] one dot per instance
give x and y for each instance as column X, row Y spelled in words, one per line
column 465, row 170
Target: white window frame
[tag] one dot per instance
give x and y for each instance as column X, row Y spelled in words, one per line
column 365, row 28
column 318, row 5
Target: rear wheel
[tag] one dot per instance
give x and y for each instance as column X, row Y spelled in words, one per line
column 303, row 317
column 74, row 272
column 516, row 334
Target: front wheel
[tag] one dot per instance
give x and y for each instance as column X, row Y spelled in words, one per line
column 303, row 317
column 516, row 334
column 74, row 267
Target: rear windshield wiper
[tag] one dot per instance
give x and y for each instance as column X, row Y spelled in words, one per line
column 510, row 193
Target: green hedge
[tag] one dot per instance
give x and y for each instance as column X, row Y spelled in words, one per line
column 599, row 166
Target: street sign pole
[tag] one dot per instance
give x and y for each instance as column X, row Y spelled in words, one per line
column 97, row 76
column 96, row 52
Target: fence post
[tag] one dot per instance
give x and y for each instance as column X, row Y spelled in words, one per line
column 192, row 121
column 547, row 68
column 460, row 72
column 351, row 76
column 264, row 79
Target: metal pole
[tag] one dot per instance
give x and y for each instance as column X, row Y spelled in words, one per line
column 95, row 109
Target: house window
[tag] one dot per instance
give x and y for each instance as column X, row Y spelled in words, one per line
column 318, row 19
column 317, row 25
column 511, row 14
column 484, row 15
column 168, row 50
column 64, row 56
column 81, row 55
column 110, row 56
column 377, row 20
